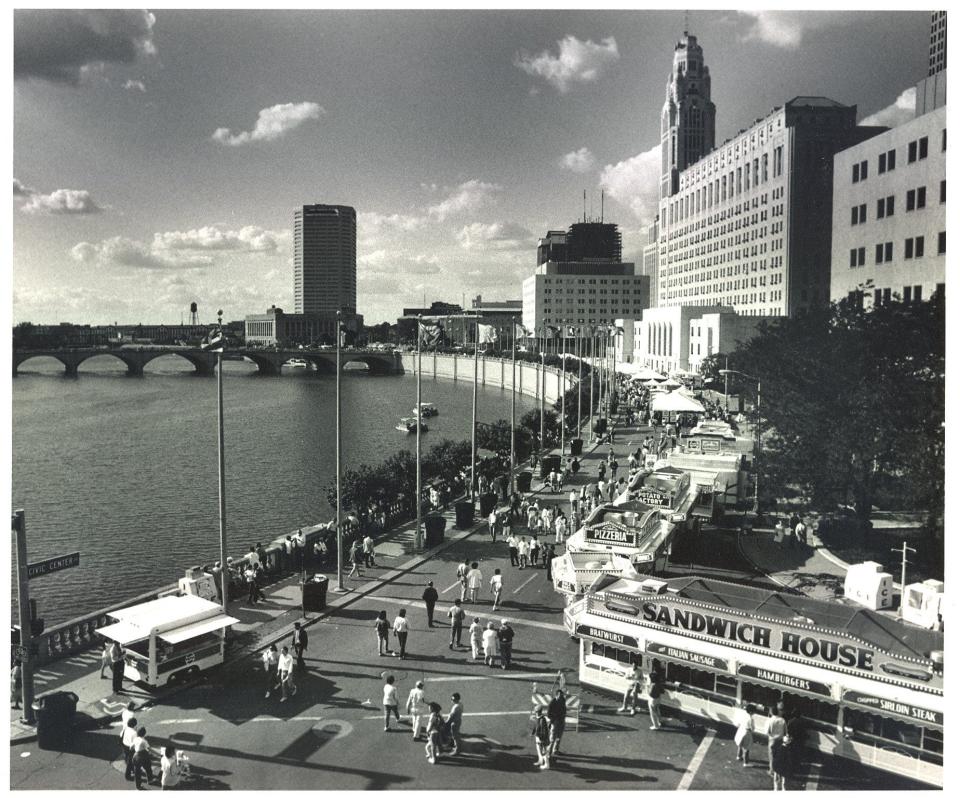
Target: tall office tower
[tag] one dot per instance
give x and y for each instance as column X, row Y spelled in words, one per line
column 688, row 121
column 553, row 246
column 325, row 259
column 938, row 42
column 594, row 241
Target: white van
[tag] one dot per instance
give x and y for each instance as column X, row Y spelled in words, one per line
column 169, row 638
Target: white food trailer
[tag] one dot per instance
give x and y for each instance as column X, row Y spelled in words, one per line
column 169, row 638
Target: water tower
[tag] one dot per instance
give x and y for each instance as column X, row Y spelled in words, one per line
column 194, row 318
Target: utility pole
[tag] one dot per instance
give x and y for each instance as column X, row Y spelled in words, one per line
column 19, row 527
column 903, row 574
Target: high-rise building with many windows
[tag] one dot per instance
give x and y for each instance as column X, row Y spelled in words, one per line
column 325, row 259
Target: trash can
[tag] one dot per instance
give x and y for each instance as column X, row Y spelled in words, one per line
column 548, row 463
column 55, row 713
column 576, row 447
column 464, row 513
column 523, row 481
column 487, row 502
column 600, row 426
column 434, row 523
column 315, row 593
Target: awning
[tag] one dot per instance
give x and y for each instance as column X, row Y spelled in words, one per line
column 675, row 403
column 123, row 633
column 196, row 629
column 647, row 373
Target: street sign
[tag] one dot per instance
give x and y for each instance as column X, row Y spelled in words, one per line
column 53, row 565
column 19, row 653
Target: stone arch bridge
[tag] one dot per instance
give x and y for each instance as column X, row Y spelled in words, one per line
column 268, row 361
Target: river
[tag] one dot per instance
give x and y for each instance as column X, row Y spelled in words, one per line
column 124, row 470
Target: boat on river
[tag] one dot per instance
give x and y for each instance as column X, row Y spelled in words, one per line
column 297, row 363
column 409, row 424
column 427, row 410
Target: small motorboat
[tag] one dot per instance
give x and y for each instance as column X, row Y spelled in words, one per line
column 297, row 363
column 409, row 424
column 427, row 410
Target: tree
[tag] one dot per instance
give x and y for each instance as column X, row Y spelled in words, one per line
column 853, row 400
column 551, row 426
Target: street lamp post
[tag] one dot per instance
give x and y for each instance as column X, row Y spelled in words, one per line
column 756, row 459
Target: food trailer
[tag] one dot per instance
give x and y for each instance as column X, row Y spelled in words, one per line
column 574, row 571
column 169, row 638
column 667, row 489
column 633, row 530
column 867, row 686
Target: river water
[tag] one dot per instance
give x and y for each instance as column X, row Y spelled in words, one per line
column 124, row 470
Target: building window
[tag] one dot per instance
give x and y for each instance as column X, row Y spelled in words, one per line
column 888, row 251
column 908, row 249
column 878, row 253
column 907, row 294
column 923, row 148
column 918, row 247
column 917, row 293
column 943, row 140
column 853, row 258
column 942, row 242
column 911, row 152
column 921, row 197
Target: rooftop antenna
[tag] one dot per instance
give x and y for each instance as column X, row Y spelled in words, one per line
column 601, row 206
column 584, row 206
column 591, row 207
column 686, row 22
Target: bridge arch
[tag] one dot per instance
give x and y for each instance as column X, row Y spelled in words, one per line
column 202, row 362
column 376, row 365
column 20, row 359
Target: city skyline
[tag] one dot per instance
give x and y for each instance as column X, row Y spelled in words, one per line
column 155, row 165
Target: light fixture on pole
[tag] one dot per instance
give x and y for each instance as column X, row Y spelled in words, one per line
column 579, row 377
column 756, row 458
column 340, row 588
column 418, row 537
column 513, row 401
column 593, row 377
column 562, row 386
column 473, row 425
column 543, row 387
column 903, row 574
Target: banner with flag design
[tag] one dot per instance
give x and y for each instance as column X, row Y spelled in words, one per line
column 486, row 333
column 214, row 341
column 430, row 334
column 519, row 331
column 554, row 332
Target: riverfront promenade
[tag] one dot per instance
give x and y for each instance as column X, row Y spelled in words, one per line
column 329, row 735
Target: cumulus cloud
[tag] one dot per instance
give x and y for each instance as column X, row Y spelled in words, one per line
column 393, row 221
column 20, row 190
column 898, row 112
column 579, row 161
column 576, row 61
column 468, row 196
column 635, row 183
column 62, row 202
column 786, row 29
column 58, row 45
column 272, row 123
column 217, row 237
column 120, row 251
column 497, row 235
column 135, row 85
column 393, row 262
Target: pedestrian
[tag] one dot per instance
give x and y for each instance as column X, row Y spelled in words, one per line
column 778, row 763
column 489, row 645
column 299, row 643
column 793, row 743
column 401, row 628
column 776, row 729
column 634, row 685
column 523, row 549
column 285, row 674
column 534, row 551
column 601, row 470
column 141, row 758
column 117, row 662
column 800, row 533
column 127, row 738
column 541, row 738
column 453, row 723
column 16, row 683
column 356, row 558
column 575, row 466
column 171, row 769
column 368, row 552
column 462, row 570
column 259, row 577
column 456, row 615
column 552, row 480
column 382, row 625
column 654, row 692
column 320, row 552
column 548, row 556
column 560, row 528
column 391, row 702
column 492, row 523
column 614, row 466
column 505, row 639
column 515, row 505
column 105, row 659
column 504, row 528
column 512, row 546
column 574, row 497
column 416, row 708
column 743, row 737
column 476, row 638
column 430, row 598
column 474, row 582
column 496, row 587
column 270, row 658
column 434, row 726
column 557, row 714
column 253, row 556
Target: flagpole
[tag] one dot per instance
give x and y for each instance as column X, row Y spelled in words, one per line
column 418, row 538
column 543, row 387
column 563, row 390
column 340, row 587
column 473, row 426
column 593, row 376
column 224, row 571
column 513, row 402
column 579, row 377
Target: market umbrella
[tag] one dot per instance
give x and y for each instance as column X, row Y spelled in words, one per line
column 652, row 384
column 647, row 373
column 675, row 402
column 672, row 383
column 627, row 368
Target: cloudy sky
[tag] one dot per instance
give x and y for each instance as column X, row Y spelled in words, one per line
column 158, row 156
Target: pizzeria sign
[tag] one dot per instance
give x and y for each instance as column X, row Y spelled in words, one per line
column 611, row 533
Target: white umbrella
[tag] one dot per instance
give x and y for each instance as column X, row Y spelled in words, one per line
column 675, row 402
column 627, row 368
column 652, row 383
column 672, row 383
column 647, row 373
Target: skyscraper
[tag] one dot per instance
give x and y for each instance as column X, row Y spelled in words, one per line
column 688, row 121
column 325, row 259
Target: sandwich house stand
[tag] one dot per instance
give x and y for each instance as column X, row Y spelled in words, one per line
column 868, row 687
